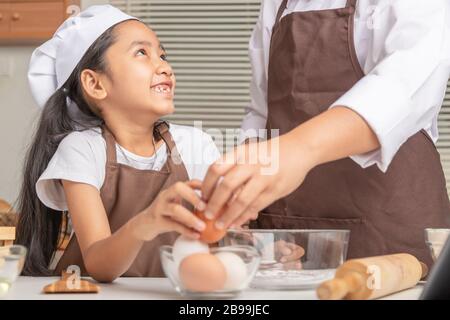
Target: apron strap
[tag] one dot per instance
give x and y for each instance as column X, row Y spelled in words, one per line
column 351, row 4
column 281, row 10
column 283, row 6
column 173, row 156
column 111, row 156
column 161, row 131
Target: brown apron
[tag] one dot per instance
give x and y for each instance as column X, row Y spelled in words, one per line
column 126, row 191
column 312, row 62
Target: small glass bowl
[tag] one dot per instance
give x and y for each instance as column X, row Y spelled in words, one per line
column 12, row 260
column 293, row 259
column 248, row 254
column 435, row 239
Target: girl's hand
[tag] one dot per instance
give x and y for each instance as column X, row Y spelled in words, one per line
column 252, row 176
column 166, row 213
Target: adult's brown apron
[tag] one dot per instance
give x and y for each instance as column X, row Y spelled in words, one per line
column 126, row 191
column 312, row 62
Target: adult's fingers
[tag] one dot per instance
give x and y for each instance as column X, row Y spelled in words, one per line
column 241, row 221
column 282, row 248
column 296, row 252
column 185, row 217
column 292, row 265
column 240, row 206
column 289, row 254
column 263, row 200
column 194, row 184
column 216, row 171
column 233, row 180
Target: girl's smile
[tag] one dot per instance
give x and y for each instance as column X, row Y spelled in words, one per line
column 163, row 88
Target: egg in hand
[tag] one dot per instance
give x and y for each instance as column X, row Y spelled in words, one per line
column 211, row 234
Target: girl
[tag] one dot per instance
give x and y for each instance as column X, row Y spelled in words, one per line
column 101, row 152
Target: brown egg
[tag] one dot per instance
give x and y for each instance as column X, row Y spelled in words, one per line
column 211, row 234
column 202, row 272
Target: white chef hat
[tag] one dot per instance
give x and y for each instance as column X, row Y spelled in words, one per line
column 53, row 62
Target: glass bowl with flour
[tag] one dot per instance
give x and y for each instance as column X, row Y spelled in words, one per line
column 293, row 259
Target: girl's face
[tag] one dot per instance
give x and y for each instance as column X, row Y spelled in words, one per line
column 140, row 80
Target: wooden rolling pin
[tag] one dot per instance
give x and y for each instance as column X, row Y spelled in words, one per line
column 374, row 277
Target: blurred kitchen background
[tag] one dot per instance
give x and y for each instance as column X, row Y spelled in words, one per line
column 207, row 45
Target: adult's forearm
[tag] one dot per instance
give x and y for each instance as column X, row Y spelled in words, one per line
column 334, row 134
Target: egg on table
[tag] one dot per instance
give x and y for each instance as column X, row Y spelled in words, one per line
column 236, row 270
column 185, row 246
column 202, row 272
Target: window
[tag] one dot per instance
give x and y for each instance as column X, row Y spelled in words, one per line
column 443, row 143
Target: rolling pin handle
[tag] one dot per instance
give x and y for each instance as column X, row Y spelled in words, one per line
column 338, row 288
column 334, row 289
column 424, row 269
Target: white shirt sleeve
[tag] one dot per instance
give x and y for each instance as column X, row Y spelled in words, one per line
column 74, row 160
column 408, row 72
column 256, row 112
column 404, row 49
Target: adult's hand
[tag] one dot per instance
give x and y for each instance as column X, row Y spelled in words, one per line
column 252, row 176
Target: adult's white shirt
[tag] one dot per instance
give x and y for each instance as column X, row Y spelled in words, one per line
column 403, row 47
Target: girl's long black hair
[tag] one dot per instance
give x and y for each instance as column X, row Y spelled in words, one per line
column 38, row 226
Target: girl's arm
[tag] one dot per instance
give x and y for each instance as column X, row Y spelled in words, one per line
column 107, row 256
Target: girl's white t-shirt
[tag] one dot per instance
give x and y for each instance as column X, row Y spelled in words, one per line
column 81, row 157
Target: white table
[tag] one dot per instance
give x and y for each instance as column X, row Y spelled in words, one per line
column 158, row 288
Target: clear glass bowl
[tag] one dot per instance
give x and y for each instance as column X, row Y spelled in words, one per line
column 435, row 240
column 12, row 259
column 248, row 254
column 293, row 259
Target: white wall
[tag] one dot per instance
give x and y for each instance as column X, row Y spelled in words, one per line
column 18, row 113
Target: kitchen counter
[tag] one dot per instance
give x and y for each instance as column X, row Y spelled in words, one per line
column 158, row 288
